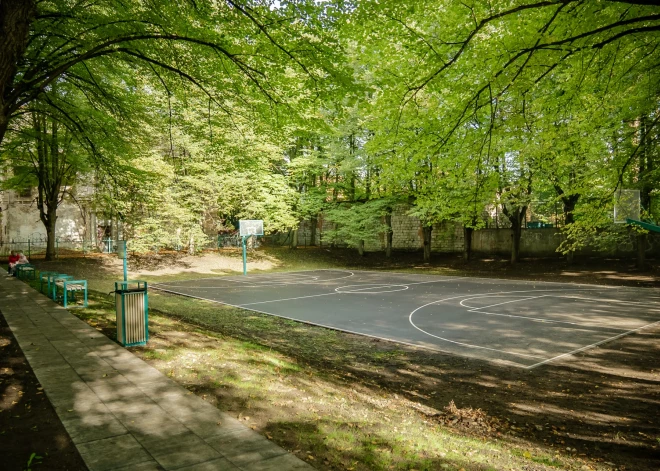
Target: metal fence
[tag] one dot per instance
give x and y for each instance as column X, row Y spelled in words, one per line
column 36, row 247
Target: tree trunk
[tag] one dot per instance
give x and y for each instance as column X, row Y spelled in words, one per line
column 467, row 244
column 389, row 235
column 515, row 217
column 427, row 230
column 641, row 251
column 49, row 224
column 15, row 19
column 313, row 223
column 360, row 248
column 294, row 239
column 516, row 232
column 570, row 256
column 569, row 203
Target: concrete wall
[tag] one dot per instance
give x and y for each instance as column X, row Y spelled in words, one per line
column 20, row 220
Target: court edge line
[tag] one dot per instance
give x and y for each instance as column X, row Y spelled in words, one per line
column 316, row 283
column 410, row 316
column 592, row 286
column 400, row 342
column 285, row 299
column 276, row 284
column 451, row 277
column 592, row 345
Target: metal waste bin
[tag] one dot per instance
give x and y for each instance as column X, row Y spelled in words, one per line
column 132, row 303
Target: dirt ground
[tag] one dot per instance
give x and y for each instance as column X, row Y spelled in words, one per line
column 595, row 410
column 29, row 426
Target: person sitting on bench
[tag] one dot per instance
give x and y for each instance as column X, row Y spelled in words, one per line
column 22, row 260
column 11, row 261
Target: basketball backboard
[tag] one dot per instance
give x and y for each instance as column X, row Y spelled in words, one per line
column 626, row 206
column 251, row 227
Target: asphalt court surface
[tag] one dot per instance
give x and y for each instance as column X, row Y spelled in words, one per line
column 521, row 323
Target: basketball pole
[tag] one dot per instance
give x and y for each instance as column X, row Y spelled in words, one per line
column 245, row 238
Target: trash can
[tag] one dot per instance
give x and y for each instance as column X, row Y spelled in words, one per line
column 132, row 304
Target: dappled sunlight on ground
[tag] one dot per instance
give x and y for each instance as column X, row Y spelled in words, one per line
column 342, row 400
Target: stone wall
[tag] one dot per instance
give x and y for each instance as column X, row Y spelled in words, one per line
column 533, row 242
column 448, row 237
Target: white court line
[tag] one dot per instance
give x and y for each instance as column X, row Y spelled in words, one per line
column 468, row 344
column 285, row 299
column 364, row 289
column 587, row 286
column 610, row 301
column 578, row 350
column 252, row 282
column 273, row 284
column 473, row 309
column 479, row 311
column 342, row 292
column 583, row 326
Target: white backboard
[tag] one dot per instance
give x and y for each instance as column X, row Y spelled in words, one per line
column 249, row 227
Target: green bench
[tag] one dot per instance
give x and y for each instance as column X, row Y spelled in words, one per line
column 56, row 282
column 45, row 278
column 25, row 270
column 69, row 289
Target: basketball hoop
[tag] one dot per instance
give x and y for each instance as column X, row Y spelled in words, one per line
column 249, row 228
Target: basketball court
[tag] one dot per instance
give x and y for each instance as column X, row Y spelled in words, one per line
column 521, row 323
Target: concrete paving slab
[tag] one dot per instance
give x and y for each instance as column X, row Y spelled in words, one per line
column 109, row 453
column 146, row 466
column 279, row 463
column 214, row 465
column 179, row 451
column 245, row 446
column 85, row 428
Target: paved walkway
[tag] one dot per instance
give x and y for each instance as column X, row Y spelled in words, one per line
column 121, row 413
